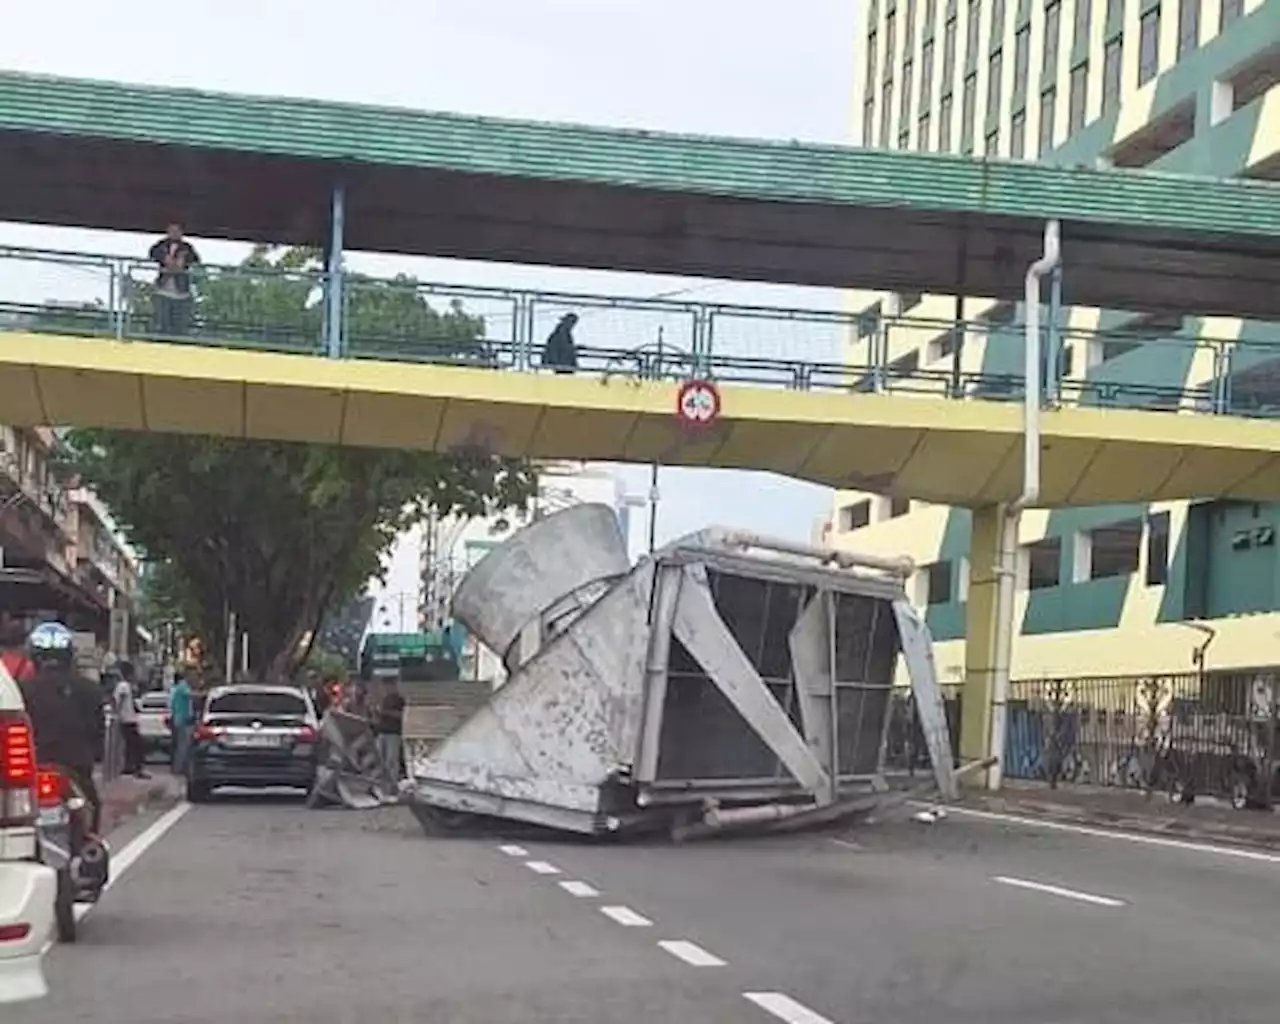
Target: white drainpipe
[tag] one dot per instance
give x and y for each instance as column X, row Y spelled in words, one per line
column 1007, row 566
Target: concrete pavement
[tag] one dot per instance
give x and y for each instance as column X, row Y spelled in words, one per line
column 263, row 911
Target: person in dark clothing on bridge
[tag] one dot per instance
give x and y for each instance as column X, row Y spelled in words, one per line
column 173, row 300
column 560, row 351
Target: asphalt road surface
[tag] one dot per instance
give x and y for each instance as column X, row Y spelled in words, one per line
column 250, row 911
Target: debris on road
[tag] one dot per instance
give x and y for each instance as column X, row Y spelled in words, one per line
column 350, row 774
column 726, row 681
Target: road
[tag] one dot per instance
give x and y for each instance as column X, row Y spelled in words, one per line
column 252, row 911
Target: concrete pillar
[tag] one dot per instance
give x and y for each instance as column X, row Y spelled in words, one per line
column 980, row 654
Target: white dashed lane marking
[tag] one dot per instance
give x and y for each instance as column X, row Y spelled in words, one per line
column 626, row 917
column 541, row 867
column 785, row 1008
column 511, row 850
column 691, row 953
column 1057, row 890
column 580, row 889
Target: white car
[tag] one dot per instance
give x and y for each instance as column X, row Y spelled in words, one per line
column 28, row 889
column 153, row 723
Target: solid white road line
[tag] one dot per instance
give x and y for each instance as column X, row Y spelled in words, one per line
column 123, row 859
column 512, row 850
column 786, row 1008
column 1057, row 890
column 541, row 867
column 691, row 953
column 1125, row 837
column 626, row 916
column 580, row 889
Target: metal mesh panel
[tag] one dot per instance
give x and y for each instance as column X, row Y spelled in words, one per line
column 703, row 737
column 865, row 652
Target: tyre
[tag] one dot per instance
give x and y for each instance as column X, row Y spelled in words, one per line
column 64, row 907
column 198, row 792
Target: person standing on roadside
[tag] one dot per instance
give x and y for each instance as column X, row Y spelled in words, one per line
column 124, row 701
column 182, row 720
column 389, row 726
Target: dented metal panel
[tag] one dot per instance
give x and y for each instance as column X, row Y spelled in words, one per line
column 917, row 649
column 717, row 673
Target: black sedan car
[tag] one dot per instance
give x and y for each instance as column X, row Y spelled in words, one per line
column 254, row 737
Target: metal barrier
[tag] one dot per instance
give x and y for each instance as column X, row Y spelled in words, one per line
column 112, row 763
column 1216, row 734
column 282, row 310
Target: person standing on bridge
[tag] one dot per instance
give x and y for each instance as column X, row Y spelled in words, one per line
column 560, row 351
column 171, row 316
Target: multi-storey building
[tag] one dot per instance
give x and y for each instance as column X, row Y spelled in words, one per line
column 1186, row 86
column 60, row 554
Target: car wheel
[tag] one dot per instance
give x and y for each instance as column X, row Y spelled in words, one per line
column 64, row 907
column 198, row 792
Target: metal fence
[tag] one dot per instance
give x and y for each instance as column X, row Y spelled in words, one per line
column 1212, row 734
column 285, row 310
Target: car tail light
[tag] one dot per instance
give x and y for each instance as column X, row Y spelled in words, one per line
column 206, row 732
column 306, row 734
column 52, row 787
column 14, row 932
column 17, row 770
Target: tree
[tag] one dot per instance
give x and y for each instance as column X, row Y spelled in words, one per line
column 279, row 532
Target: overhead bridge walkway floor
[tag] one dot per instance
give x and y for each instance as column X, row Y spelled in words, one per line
column 958, row 452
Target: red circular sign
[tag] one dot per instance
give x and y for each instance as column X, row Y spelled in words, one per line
column 697, row 403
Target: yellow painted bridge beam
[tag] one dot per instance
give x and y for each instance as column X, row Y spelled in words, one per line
column 955, row 452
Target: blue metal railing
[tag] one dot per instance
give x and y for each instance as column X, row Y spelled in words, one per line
column 273, row 309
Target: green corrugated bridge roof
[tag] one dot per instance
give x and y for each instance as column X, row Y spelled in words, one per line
column 256, row 146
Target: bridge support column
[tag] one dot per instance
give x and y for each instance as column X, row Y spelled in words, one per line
column 333, row 286
column 983, row 635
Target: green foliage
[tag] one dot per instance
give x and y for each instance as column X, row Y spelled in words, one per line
column 278, row 532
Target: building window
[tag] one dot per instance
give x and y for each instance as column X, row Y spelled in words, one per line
column 991, row 145
column 868, row 121
column 1084, row 14
column 1188, row 27
column 909, row 25
column 1149, row 46
column 944, row 125
column 967, row 111
column 926, row 76
column 899, row 507
column 907, row 301
column 1078, row 98
column 948, row 57
column 971, row 34
column 886, row 113
column 1048, row 111
column 938, row 588
column 997, row 23
column 871, row 63
column 1113, row 550
column 1018, row 135
column 923, row 142
column 1021, row 59
column 995, row 72
column 889, row 42
column 855, row 516
column 1232, row 10
column 1115, row 11
column 1044, row 563
column 905, row 366
column 1157, row 549
column 1112, row 63
column 904, row 114
column 1052, row 32
column 904, row 138
column 930, row 13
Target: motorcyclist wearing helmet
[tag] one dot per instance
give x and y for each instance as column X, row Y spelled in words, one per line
column 65, row 709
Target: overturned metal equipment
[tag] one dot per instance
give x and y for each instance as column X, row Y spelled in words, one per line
column 726, row 680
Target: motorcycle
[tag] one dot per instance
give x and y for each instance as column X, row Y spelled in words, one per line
column 68, row 845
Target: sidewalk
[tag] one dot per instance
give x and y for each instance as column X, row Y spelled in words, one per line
column 1207, row 819
column 124, row 797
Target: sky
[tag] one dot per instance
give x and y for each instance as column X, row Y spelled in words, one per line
column 731, row 67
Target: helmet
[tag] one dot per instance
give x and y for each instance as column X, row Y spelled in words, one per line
column 52, row 644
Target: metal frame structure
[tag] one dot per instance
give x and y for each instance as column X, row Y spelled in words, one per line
column 727, row 677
